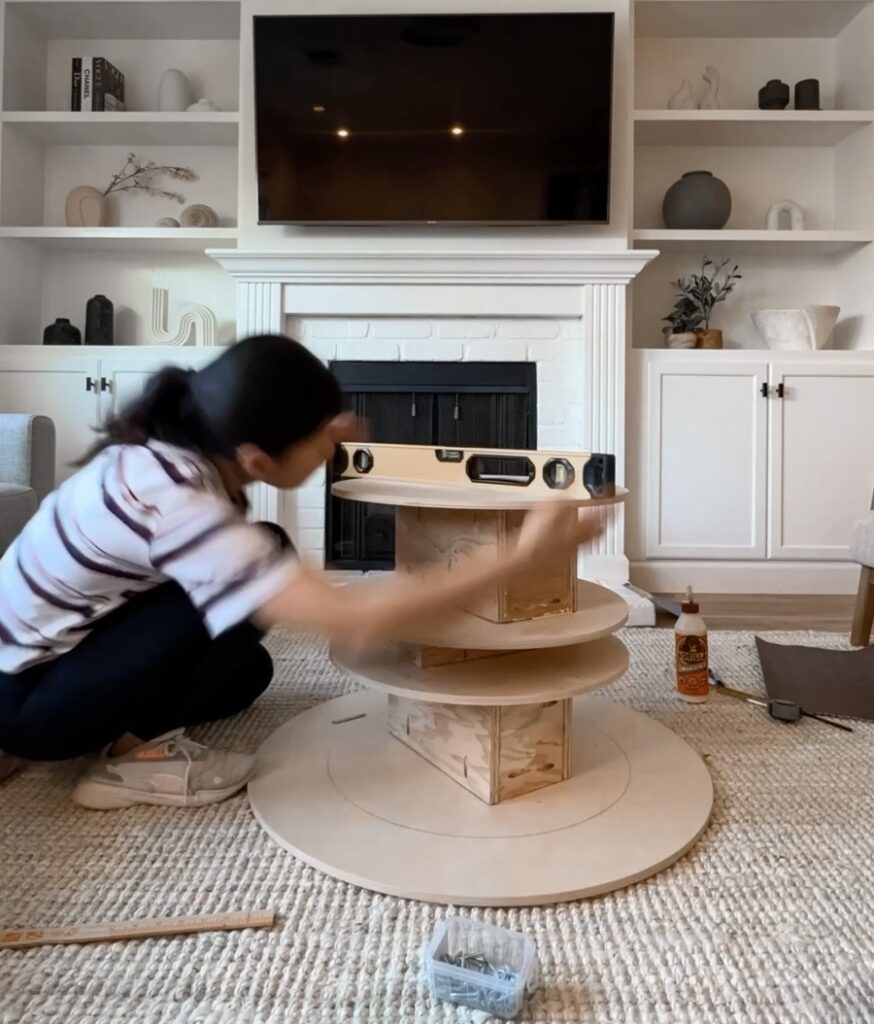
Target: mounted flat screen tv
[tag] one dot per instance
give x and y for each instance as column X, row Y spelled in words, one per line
column 498, row 119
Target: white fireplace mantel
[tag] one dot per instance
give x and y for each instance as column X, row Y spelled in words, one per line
column 587, row 285
column 381, row 266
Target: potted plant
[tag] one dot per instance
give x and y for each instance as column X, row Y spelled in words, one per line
column 699, row 293
column 683, row 321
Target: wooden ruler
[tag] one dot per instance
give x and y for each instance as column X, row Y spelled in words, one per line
column 23, row 938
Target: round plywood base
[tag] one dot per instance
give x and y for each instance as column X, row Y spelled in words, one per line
column 340, row 793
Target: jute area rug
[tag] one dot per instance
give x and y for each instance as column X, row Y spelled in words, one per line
column 769, row 919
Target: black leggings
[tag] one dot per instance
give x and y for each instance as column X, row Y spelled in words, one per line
column 148, row 667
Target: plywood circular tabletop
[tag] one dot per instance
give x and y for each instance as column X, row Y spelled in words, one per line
column 599, row 612
column 473, row 497
column 336, row 790
column 526, row 677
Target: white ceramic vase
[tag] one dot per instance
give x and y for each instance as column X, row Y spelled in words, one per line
column 684, row 339
column 85, row 208
column 683, row 98
column 203, row 106
column 174, row 92
column 796, row 329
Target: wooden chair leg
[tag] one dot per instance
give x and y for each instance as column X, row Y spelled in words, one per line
column 863, row 617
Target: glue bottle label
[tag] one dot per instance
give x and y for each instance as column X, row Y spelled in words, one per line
column 691, row 654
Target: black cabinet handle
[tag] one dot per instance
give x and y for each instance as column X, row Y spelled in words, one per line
column 105, row 385
column 90, row 384
column 781, row 391
column 764, row 390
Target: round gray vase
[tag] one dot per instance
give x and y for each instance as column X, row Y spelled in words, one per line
column 698, row 201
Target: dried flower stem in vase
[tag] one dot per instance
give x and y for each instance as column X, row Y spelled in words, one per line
column 139, row 175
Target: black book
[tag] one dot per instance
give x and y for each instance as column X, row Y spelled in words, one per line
column 108, row 85
column 76, row 93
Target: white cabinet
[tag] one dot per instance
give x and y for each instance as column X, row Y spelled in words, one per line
column 821, row 457
column 124, row 375
column 707, row 450
column 68, row 392
column 78, row 388
column 753, row 459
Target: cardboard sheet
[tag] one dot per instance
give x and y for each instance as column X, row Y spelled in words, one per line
column 820, row 681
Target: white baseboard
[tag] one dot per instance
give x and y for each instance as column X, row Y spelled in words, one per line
column 673, row 577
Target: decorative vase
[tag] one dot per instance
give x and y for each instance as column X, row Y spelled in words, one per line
column 174, row 92
column 98, row 321
column 683, row 339
column 683, row 98
column 807, row 328
column 697, row 201
column 711, row 338
column 774, row 95
column 784, row 210
column 198, row 216
column 85, row 208
column 807, row 94
column 710, row 100
column 61, row 332
column 167, row 222
column 203, row 106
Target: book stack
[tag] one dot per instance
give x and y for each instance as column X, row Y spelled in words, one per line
column 96, row 85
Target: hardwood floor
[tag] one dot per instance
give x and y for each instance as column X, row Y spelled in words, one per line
column 828, row 612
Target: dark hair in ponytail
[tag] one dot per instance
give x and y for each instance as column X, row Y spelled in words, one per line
column 267, row 390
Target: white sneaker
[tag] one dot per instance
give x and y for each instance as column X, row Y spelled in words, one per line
column 171, row 770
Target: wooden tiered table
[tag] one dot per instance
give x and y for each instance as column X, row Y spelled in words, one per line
column 505, row 783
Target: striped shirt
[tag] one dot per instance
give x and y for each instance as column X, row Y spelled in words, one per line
column 134, row 517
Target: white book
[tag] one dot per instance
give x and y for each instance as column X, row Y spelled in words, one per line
column 87, row 83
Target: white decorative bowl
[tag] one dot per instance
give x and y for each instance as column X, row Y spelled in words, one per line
column 793, row 329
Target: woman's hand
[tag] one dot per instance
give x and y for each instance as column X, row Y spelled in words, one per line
column 553, row 527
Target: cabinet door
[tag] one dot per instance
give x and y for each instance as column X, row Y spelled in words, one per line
column 822, row 457
column 62, row 394
column 124, row 376
column 707, row 449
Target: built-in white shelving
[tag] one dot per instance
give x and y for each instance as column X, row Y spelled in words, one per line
column 60, row 128
column 132, row 19
column 748, row 127
column 761, row 19
column 737, row 241
column 150, row 239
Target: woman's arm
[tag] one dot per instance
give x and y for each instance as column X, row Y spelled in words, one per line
column 369, row 613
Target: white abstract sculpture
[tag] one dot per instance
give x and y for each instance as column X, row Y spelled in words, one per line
column 785, row 210
column 710, row 99
column 683, row 98
column 196, row 320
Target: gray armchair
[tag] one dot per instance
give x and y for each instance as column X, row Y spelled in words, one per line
column 27, row 470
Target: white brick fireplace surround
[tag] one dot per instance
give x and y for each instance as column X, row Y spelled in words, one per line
column 566, row 312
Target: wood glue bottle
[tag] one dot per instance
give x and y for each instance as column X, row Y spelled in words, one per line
column 690, row 646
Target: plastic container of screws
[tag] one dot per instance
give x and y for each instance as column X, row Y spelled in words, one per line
column 481, row 966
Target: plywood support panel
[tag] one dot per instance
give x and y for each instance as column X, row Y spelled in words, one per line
column 496, row 753
column 446, row 536
column 432, row 657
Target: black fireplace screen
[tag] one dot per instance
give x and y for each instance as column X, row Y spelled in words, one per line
column 487, row 405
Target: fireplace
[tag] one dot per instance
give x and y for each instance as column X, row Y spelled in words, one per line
column 561, row 307
column 455, row 405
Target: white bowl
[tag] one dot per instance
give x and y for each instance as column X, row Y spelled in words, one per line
column 792, row 329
